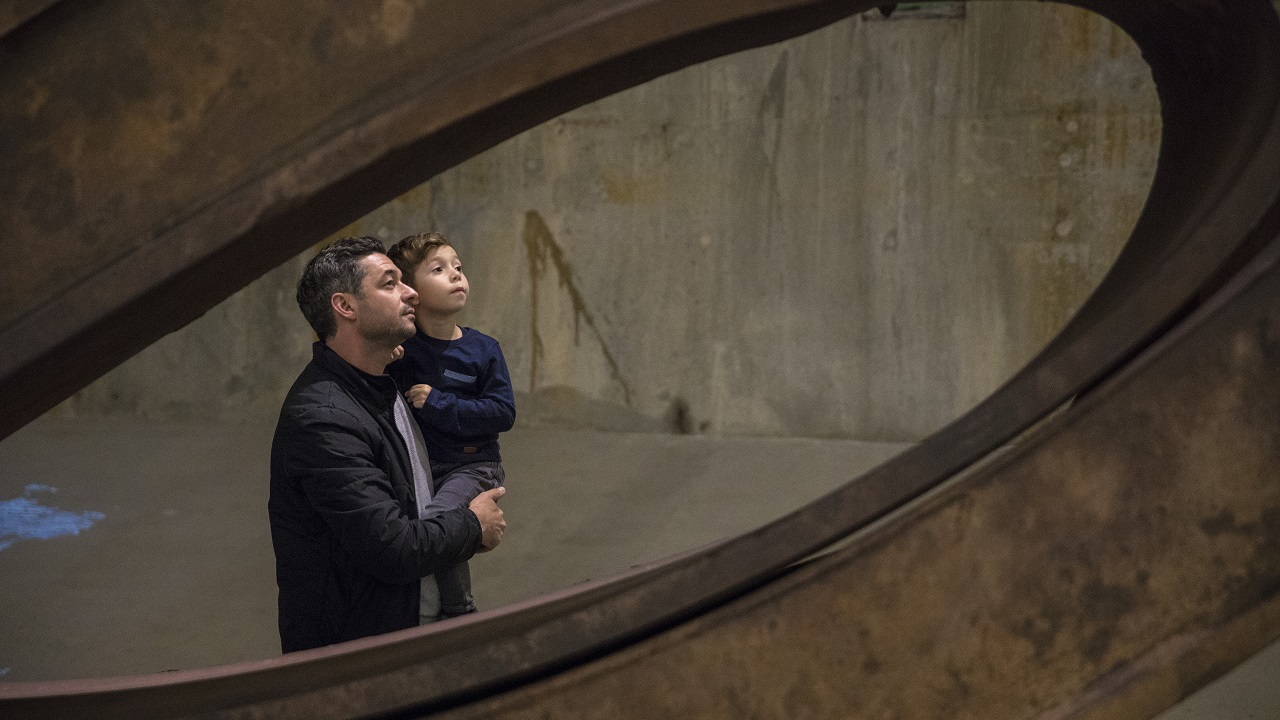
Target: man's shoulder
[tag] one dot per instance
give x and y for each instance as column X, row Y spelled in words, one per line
column 320, row 395
column 319, row 415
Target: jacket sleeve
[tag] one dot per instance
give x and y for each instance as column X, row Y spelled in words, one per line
column 492, row 413
column 333, row 460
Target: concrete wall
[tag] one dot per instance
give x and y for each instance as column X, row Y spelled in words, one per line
column 858, row 233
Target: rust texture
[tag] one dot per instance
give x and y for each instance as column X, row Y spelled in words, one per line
column 1111, row 561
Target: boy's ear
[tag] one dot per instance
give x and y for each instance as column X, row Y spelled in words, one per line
column 342, row 305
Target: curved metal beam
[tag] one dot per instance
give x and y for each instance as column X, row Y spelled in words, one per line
column 1213, row 206
column 14, row 13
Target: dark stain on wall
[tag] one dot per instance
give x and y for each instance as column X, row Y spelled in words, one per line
column 544, row 252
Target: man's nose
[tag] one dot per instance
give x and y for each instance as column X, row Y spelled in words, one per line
column 410, row 295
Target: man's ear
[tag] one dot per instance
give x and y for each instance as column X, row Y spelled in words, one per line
column 342, row 305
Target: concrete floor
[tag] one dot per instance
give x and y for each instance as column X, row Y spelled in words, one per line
column 161, row 559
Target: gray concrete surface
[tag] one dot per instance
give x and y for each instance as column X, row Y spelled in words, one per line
column 904, row 210
column 1249, row 692
column 178, row 573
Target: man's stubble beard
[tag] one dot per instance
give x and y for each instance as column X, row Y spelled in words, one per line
column 389, row 337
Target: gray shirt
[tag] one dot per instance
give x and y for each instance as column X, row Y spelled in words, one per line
column 429, row 605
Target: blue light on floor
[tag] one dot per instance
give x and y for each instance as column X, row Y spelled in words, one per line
column 25, row 518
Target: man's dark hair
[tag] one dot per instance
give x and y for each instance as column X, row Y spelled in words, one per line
column 337, row 268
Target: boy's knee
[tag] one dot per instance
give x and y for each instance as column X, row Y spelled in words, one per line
column 493, row 476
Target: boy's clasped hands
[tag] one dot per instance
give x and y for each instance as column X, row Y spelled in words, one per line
column 418, row 394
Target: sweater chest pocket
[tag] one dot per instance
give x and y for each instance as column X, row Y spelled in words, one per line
column 455, row 380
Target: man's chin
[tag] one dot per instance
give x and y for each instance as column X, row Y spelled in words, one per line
column 411, row 330
column 394, row 339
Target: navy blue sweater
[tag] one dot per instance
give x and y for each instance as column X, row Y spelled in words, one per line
column 471, row 399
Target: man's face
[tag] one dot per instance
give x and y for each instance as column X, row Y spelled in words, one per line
column 442, row 287
column 384, row 305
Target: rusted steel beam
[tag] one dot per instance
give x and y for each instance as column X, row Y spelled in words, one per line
column 1213, row 205
column 1108, row 565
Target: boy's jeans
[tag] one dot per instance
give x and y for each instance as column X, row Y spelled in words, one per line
column 457, row 486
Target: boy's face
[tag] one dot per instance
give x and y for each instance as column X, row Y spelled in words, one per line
column 442, row 288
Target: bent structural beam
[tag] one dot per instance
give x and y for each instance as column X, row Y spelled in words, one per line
column 1089, row 571
column 1102, row 565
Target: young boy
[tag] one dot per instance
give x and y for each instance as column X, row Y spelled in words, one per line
column 459, row 387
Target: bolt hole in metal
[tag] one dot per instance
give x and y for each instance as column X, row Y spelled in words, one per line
column 791, row 244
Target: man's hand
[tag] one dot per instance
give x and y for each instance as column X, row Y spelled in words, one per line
column 418, row 395
column 492, row 526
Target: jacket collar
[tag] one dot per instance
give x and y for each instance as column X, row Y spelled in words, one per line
column 377, row 390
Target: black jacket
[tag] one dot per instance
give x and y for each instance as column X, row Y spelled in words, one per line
column 350, row 551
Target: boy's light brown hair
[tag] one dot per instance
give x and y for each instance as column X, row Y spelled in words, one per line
column 409, row 252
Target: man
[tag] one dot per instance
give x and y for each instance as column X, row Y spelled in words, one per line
column 349, row 472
